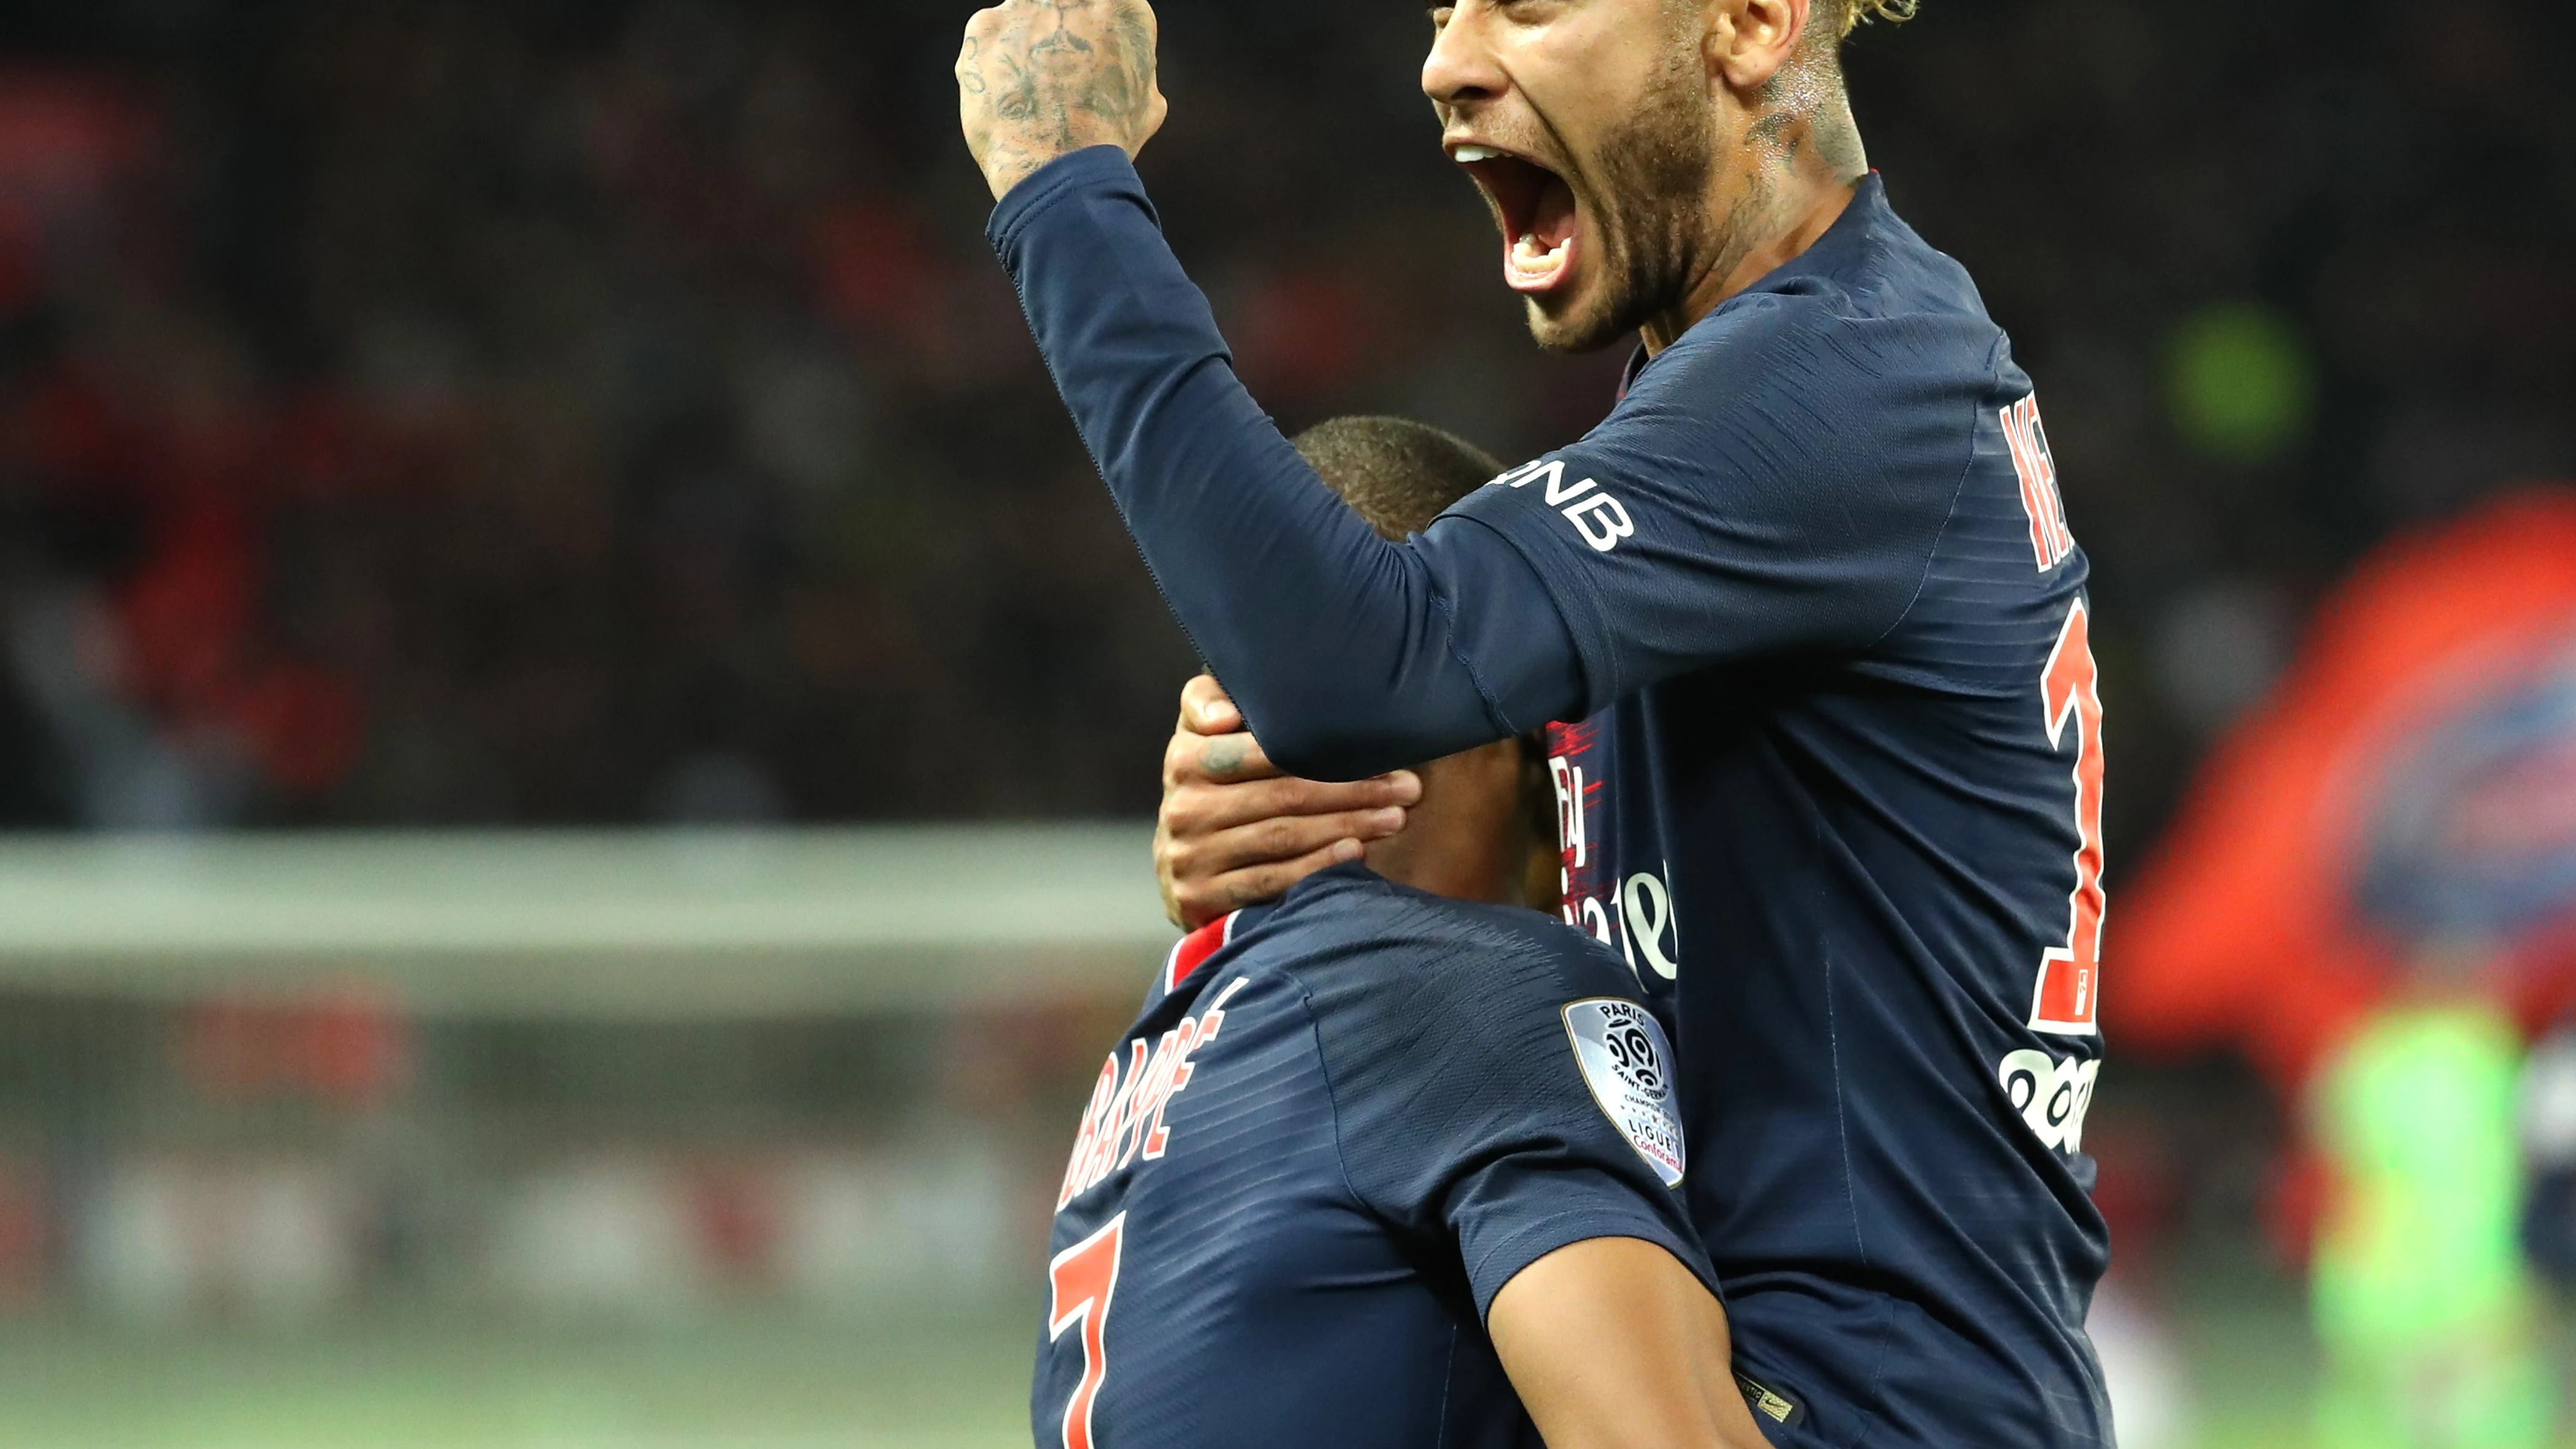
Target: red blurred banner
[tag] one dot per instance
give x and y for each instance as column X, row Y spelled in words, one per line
column 2399, row 815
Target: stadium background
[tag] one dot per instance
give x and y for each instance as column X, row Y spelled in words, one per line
column 563, row 667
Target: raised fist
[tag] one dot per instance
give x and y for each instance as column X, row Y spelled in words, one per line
column 1039, row 79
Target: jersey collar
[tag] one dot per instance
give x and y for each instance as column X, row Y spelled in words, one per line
column 1868, row 205
column 1193, row 950
column 1181, row 969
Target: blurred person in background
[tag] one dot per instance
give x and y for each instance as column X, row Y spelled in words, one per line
column 1381, row 1144
column 2372, row 893
column 1810, row 590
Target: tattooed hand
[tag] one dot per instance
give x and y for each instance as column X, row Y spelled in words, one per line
column 1039, row 79
column 1235, row 829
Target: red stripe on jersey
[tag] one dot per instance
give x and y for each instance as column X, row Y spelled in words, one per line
column 1193, row 950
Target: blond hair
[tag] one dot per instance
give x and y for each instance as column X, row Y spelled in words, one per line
column 1856, row 11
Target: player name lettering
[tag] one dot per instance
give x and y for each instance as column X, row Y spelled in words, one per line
column 1601, row 519
column 2027, row 437
column 1124, row 1120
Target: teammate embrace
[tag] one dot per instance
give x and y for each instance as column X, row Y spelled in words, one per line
column 1371, row 1147
column 1807, row 632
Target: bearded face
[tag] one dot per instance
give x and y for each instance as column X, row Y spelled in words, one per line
column 1595, row 153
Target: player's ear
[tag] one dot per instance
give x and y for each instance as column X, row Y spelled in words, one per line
column 1750, row 41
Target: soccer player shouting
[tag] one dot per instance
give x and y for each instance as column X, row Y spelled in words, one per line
column 1835, row 790
column 1352, row 1134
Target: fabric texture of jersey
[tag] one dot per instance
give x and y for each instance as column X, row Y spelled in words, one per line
column 1835, row 788
column 1309, row 1210
column 1826, row 814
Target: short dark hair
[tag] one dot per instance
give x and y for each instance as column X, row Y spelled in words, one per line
column 1399, row 475
column 1396, row 473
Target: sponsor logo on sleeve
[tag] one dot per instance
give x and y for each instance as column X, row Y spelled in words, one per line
column 1628, row 1065
column 1599, row 518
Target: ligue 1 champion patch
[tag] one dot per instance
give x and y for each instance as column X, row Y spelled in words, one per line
column 1629, row 1067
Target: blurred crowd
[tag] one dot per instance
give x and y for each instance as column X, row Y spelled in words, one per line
column 607, row 410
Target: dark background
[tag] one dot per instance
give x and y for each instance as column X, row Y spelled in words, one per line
column 564, row 411
column 588, row 412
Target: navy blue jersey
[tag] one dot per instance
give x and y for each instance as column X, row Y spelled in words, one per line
column 1835, row 793
column 1844, row 817
column 1340, row 1125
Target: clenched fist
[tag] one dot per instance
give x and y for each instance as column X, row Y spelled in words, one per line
column 1039, row 79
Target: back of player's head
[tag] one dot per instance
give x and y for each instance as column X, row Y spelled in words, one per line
column 1396, row 473
column 1399, row 475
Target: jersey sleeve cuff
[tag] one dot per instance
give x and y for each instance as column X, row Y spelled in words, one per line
column 1503, row 1261
column 1096, row 170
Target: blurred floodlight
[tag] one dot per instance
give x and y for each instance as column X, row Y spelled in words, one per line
column 2243, row 385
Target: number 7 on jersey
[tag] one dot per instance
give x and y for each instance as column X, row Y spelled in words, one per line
column 2070, row 976
column 1082, row 1279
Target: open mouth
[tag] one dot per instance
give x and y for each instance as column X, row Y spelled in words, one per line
column 1541, row 228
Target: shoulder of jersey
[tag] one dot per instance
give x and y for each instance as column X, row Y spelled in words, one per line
column 1577, row 951
column 1736, row 350
column 1562, row 980
column 1733, row 334
column 1355, row 920
column 1193, row 951
column 1431, row 930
